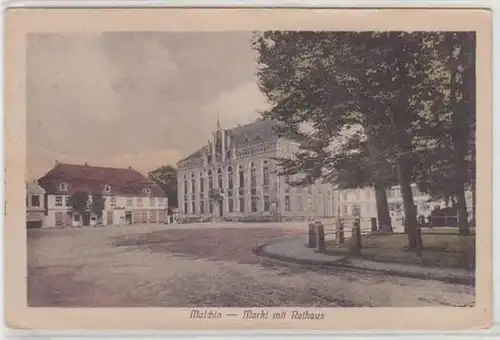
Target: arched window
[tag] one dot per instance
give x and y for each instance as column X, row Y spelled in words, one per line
column 242, row 176
column 193, row 183
column 230, row 177
column 221, row 179
column 210, row 180
column 265, row 173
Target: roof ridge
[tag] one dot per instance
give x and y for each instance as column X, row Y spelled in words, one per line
column 95, row 166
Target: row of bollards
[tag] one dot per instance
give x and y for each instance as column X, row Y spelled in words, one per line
column 317, row 236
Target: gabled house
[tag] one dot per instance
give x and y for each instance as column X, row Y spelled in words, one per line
column 35, row 207
column 129, row 196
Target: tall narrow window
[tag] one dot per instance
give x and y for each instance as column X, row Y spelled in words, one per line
column 242, row 204
column 193, row 184
column 253, row 176
column 210, row 180
column 202, row 184
column 265, row 173
column 202, row 207
column 230, row 205
column 221, row 179
column 267, row 204
column 254, row 204
column 230, row 177
column 287, row 203
column 185, row 185
column 242, row 176
column 193, row 204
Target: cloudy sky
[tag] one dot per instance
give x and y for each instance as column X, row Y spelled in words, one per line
column 134, row 99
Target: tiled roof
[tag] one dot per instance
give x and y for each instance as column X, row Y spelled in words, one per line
column 122, row 182
column 195, row 155
column 254, row 133
column 242, row 136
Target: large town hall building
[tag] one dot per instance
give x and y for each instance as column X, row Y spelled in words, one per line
column 233, row 177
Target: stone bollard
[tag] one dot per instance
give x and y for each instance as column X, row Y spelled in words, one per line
column 340, row 231
column 374, row 224
column 355, row 243
column 320, row 236
column 312, row 235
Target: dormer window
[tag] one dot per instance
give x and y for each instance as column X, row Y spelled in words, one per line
column 147, row 191
column 63, row 186
column 107, row 188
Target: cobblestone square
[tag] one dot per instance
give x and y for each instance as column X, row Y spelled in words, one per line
column 204, row 265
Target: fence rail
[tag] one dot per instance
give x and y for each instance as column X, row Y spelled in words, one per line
column 348, row 230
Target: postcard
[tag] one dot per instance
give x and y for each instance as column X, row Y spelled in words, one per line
column 248, row 169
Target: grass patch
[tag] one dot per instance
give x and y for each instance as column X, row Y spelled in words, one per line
column 442, row 249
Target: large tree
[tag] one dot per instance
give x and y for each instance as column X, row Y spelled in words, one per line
column 79, row 202
column 166, row 178
column 330, row 80
column 446, row 129
column 97, row 205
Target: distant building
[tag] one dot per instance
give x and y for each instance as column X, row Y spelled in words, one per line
column 234, row 177
column 361, row 202
column 130, row 197
column 35, row 207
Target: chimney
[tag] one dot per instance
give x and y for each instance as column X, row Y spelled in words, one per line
column 130, row 168
column 86, row 164
column 56, row 162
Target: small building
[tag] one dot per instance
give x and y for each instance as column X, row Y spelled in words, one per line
column 35, row 207
column 129, row 196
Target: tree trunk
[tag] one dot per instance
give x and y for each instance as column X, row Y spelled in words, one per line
column 463, row 223
column 408, row 203
column 459, row 136
column 384, row 219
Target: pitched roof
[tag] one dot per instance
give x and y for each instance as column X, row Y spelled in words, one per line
column 123, row 181
column 257, row 132
column 254, row 133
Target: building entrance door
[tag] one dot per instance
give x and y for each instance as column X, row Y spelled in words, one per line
column 221, row 208
column 109, row 217
column 86, row 218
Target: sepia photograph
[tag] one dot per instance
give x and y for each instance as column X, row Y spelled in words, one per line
column 252, row 169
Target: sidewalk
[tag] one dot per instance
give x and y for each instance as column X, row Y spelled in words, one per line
column 295, row 250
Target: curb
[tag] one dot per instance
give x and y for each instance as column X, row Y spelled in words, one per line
column 343, row 264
